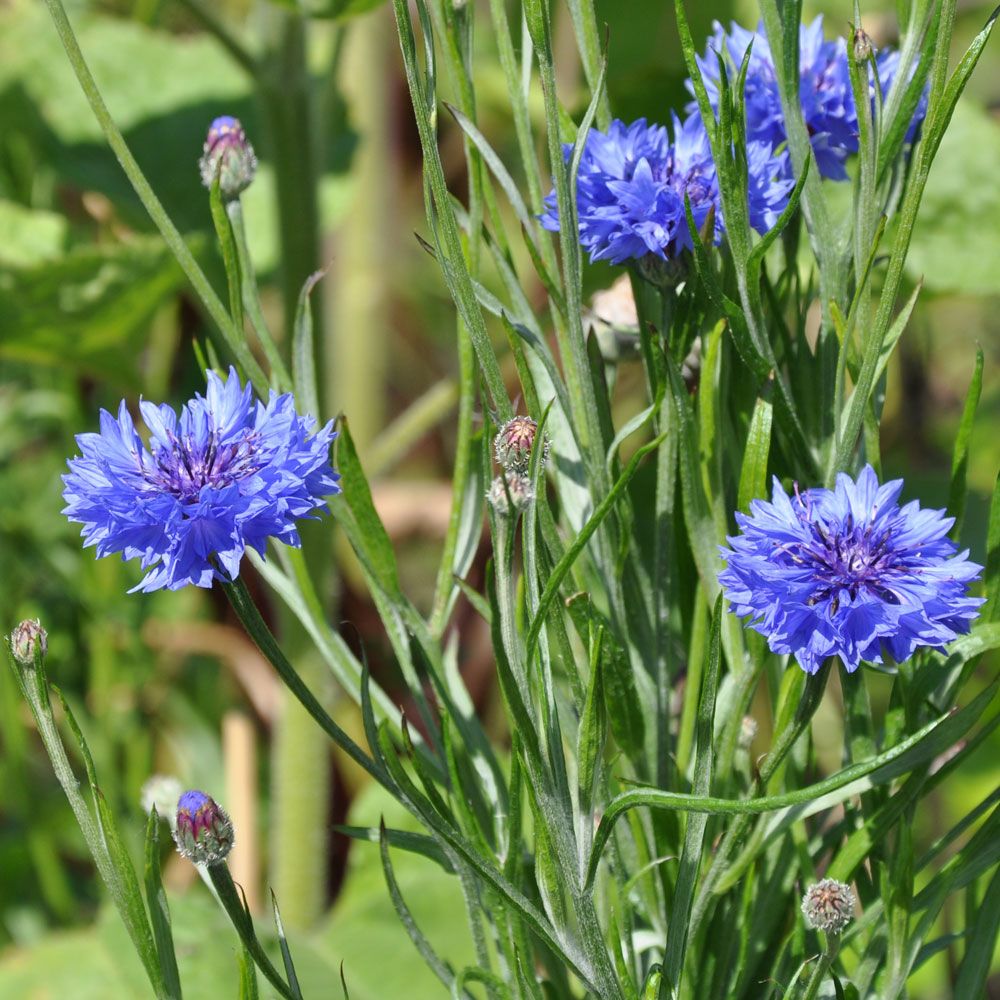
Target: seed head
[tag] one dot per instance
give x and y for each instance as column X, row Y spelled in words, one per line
column 512, row 446
column 204, row 833
column 517, row 486
column 228, row 154
column 748, row 730
column 162, row 791
column 828, row 906
column 28, row 636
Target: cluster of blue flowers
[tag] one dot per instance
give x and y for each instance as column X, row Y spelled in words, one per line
column 848, row 572
column 633, row 180
column 231, row 472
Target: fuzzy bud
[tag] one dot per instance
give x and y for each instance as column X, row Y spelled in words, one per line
column 228, row 154
column 24, row 640
column 517, row 486
column 862, row 46
column 828, row 906
column 512, row 446
column 204, row 833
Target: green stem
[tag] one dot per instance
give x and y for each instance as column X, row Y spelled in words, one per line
column 360, row 329
column 786, row 740
column 453, row 262
column 251, row 298
column 232, row 903
column 445, row 586
column 458, row 36
column 219, row 30
column 34, row 686
column 301, row 770
column 257, row 629
column 822, row 967
column 233, row 337
column 287, row 94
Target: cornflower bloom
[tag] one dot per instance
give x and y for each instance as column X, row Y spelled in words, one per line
column 632, row 184
column 848, row 572
column 824, row 90
column 230, row 472
column 825, row 93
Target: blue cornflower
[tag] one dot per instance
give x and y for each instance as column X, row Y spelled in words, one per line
column 632, row 184
column 825, row 90
column 231, row 472
column 848, row 572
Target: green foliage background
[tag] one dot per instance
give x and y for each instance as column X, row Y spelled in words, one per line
column 93, row 307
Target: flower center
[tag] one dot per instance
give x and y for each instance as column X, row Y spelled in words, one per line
column 187, row 465
column 849, row 557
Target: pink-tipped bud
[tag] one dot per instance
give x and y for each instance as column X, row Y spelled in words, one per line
column 513, row 444
column 26, row 638
column 509, row 493
column 204, row 833
column 228, row 155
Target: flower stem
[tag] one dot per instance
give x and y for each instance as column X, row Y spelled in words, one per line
column 257, row 629
column 822, row 967
column 199, row 282
column 786, row 740
column 287, row 94
column 232, row 903
column 301, row 770
column 216, row 27
column 251, row 298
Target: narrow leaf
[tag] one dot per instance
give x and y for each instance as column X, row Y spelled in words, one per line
column 159, row 910
column 304, row 351
column 960, row 454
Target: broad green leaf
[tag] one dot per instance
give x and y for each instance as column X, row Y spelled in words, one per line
column 958, row 231
column 29, row 237
column 89, row 310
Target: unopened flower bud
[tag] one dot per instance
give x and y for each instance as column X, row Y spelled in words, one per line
column 161, row 791
column 512, row 446
column 204, row 833
column 862, row 46
column 24, row 640
column 828, row 906
column 517, row 486
column 228, row 155
column 662, row 272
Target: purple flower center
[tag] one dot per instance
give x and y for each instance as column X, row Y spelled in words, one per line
column 697, row 187
column 848, row 557
column 188, row 465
